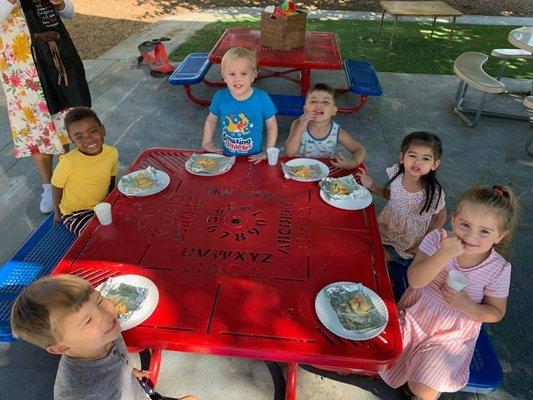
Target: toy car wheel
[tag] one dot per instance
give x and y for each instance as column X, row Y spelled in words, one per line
column 140, row 60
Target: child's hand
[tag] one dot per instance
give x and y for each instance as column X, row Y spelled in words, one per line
column 211, row 148
column 366, row 180
column 58, row 217
column 140, row 374
column 257, row 158
column 450, row 244
column 342, row 162
column 304, row 120
column 458, row 300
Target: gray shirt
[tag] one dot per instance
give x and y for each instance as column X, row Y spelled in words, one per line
column 110, row 378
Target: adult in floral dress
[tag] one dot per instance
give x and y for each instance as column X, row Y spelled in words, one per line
column 42, row 76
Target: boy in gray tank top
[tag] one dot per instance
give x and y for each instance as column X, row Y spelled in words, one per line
column 65, row 315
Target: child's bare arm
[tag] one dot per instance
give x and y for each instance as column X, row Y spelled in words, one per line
column 272, row 131
column 272, row 135
column 210, row 127
column 491, row 310
column 425, row 268
column 298, row 127
column 368, row 182
column 57, row 195
column 354, row 147
column 438, row 220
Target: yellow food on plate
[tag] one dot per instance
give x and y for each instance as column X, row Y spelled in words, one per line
column 143, row 182
column 206, row 162
column 358, row 304
column 303, row 171
column 121, row 308
column 339, row 188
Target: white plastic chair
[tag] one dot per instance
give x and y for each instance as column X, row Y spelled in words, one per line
column 509, row 54
column 469, row 69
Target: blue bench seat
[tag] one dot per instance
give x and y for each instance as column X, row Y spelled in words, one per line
column 191, row 70
column 362, row 78
column 37, row 257
column 288, row 104
column 486, row 373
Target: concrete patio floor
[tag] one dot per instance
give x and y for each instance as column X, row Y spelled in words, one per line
column 141, row 112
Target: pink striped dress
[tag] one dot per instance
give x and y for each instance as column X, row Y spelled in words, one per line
column 438, row 341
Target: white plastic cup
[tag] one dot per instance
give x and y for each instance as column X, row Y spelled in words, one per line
column 272, row 154
column 456, row 280
column 103, row 212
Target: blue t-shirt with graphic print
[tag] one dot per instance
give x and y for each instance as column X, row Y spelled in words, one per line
column 241, row 122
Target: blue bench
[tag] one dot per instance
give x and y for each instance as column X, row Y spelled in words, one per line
column 486, row 373
column 191, row 71
column 37, row 257
column 287, row 104
column 362, row 78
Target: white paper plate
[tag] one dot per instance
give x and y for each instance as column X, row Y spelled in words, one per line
column 308, row 161
column 164, row 180
column 350, row 203
column 328, row 316
column 188, row 165
column 149, row 304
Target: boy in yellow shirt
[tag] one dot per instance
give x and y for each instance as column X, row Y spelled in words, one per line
column 84, row 176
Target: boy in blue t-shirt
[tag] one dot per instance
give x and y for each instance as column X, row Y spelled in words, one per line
column 241, row 110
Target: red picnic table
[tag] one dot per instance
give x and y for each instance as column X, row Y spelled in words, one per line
column 320, row 51
column 238, row 260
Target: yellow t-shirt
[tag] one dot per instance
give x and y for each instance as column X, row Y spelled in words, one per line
column 84, row 179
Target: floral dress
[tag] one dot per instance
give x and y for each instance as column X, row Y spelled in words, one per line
column 33, row 129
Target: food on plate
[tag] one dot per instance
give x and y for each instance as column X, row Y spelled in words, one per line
column 205, row 162
column 359, row 304
column 355, row 309
column 121, row 308
column 143, row 181
column 339, row 188
column 302, row 171
column 125, row 298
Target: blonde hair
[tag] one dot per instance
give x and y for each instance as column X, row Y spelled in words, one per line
column 503, row 202
column 238, row 52
column 37, row 310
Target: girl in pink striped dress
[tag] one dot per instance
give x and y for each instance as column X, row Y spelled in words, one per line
column 439, row 325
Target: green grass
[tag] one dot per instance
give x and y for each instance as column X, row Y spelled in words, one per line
column 413, row 50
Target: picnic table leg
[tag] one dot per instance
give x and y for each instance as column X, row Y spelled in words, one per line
column 305, row 81
column 155, row 365
column 393, row 31
column 381, row 24
column 433, row 27
column 290, row 389
column 450, row 38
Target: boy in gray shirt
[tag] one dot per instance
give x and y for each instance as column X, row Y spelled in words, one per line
column 65, row 315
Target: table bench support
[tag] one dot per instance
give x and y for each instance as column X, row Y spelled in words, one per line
column 290, row 389
column 193, row 98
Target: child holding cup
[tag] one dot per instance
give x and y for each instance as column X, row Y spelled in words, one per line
column 84, row 176
column 440, row 324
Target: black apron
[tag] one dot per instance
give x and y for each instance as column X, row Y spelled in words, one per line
column 58, row 64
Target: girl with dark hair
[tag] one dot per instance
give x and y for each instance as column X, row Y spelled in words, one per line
column 416, row 199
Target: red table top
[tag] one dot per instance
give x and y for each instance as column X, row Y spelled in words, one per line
column 320, row 51
column 238, row 260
